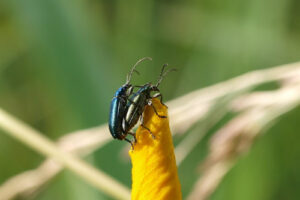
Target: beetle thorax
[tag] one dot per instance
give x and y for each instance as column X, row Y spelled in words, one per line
column 125, row 90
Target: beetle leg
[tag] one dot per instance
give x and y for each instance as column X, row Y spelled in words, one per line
column 130, row 133
column 161, row 116
column 133, row 134
column 129, row 142
column 142, row 124
column 161, row 98
column 153, row 136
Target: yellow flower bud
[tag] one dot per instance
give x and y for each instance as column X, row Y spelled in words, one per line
column 154, row 170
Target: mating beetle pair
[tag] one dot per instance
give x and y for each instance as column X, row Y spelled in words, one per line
column 127, row 108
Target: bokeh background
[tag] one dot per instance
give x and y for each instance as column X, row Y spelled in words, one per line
column 61, row 62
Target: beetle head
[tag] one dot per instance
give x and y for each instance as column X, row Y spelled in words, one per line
column 125, row 90
column 154, row 88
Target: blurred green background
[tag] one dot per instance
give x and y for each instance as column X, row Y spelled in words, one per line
column 61, row 62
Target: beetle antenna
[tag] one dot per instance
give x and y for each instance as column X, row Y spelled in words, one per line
column 163, row 74
column 134, row 70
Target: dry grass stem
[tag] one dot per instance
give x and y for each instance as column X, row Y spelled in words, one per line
column 258, row 111
column 22, row 132
column 81, row 142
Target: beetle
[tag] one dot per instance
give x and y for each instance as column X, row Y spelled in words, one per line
column 138, row 101
column 118, row 107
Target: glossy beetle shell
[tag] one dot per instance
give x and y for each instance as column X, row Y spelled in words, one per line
column 136, row 106
column 117, row 111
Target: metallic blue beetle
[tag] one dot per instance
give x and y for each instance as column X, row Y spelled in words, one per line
column 118, row 107
column 137, row 102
